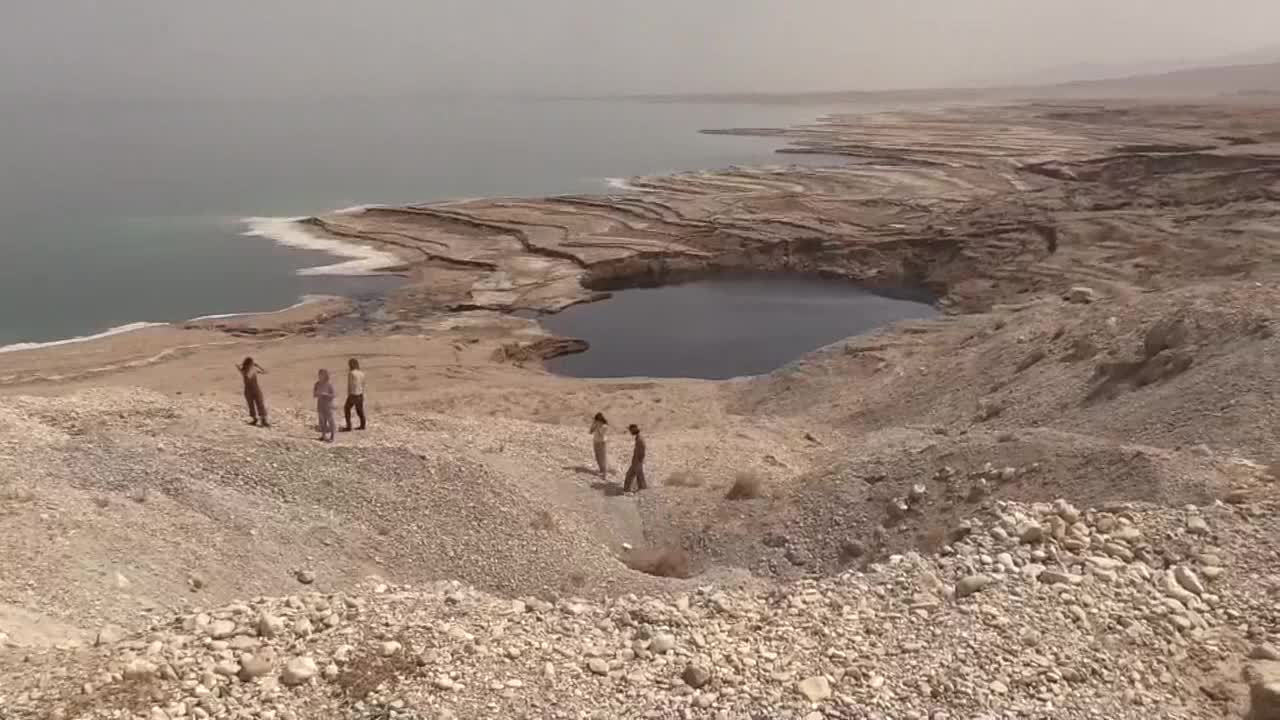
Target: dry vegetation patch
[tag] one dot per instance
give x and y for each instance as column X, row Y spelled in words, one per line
column 368, row 673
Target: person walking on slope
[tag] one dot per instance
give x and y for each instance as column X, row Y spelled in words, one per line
column 249, row 372
column 599, row 429
column 324, row 393
column 355, row 394
column 636, row 471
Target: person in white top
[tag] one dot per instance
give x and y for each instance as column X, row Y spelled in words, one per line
column 355, row 394
column 599, row 430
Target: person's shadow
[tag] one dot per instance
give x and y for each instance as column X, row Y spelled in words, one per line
column 608, row 488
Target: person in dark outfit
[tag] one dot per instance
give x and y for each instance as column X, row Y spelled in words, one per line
column 636, row 471
column 355, row 394
column 249, row 372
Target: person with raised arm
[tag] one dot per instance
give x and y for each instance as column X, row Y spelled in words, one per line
column 249, row 372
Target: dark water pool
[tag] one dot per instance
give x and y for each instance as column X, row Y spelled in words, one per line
column 722, row 328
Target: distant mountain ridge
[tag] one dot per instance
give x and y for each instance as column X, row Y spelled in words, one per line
column 1259, row 79
column 1088, row 71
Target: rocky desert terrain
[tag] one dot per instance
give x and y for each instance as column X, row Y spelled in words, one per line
column 1054, row 501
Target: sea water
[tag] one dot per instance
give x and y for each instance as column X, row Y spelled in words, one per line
column 122, row 212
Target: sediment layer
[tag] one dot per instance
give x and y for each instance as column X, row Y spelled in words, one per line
column 980, row 206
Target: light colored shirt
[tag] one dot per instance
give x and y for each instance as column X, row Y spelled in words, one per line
column 355, row 382
column 598, row 431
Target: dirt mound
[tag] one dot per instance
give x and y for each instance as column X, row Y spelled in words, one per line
column 177, row 501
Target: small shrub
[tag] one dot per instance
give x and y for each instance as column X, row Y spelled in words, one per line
column 368, row 673
column 746, row 486
column 669, row 562
column 684, row 478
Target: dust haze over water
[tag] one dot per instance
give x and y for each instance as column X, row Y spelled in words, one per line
column 135, row 135
column 306, row 48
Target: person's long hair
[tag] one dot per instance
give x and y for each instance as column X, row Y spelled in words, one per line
column 600, row 419
column 246, row 365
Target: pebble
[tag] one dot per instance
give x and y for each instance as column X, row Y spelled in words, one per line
column 299, row 671
column 662, row 643
column 815, row 689
column 971, row 584
column 1030, row 532
column 139, row 671
column 1264, row 651
column 252, row 668
column 695, row 676
column 222, row 629
column 1187, row 578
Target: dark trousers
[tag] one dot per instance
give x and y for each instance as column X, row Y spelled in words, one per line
column 357, row 402
column 257, row 406
column 634, row 473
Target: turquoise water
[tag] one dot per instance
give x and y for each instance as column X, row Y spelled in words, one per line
column 114, row 213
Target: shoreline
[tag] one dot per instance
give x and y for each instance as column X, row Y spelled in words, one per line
column 133, row 327
column 361, row 260
column 915, row 203
column 354, row 259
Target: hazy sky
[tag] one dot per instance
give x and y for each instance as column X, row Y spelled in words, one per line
column 302, row 47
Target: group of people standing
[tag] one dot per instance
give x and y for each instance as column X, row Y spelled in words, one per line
column 322, row 391
column 324, row 395
column 600, row 442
